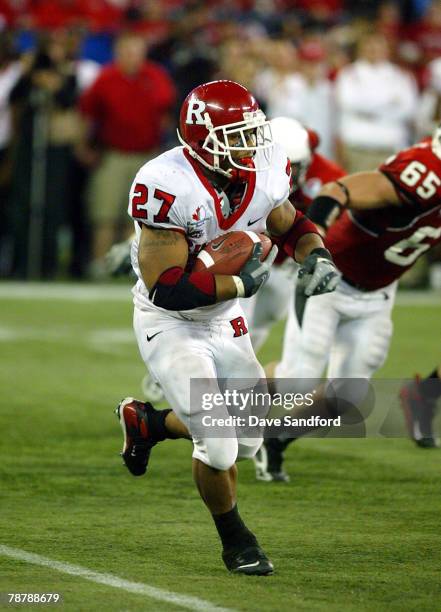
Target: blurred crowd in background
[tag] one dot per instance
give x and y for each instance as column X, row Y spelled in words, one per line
column 91, row 89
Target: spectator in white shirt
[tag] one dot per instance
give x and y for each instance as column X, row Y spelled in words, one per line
column 429, row 111
column 274, row 84
column 316, row 96
column 296, row 86
column 376, row 101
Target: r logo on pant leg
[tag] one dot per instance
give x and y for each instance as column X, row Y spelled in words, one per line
column 239, row 326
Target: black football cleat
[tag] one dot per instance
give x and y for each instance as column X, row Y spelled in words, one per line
column 250, row 561
column 268, row 461
column 419, row 412
column 138, row 442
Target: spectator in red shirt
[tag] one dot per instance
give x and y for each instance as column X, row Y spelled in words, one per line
column 126, row 108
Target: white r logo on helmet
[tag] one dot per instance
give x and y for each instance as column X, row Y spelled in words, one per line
column 194, row 112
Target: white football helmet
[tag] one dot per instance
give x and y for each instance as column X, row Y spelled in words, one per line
column 294, row 138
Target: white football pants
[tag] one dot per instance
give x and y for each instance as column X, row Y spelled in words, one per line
column 270, row 304
column 185, row 348
column 347, row 331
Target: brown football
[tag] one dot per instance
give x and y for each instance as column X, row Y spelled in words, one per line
column 227, row 254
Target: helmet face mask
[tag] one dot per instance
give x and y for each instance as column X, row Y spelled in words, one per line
column 241, row 139
column 230, row 125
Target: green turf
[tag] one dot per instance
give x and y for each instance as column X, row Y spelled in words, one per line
column 357, row 529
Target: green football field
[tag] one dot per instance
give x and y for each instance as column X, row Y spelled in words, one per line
column 358, row 527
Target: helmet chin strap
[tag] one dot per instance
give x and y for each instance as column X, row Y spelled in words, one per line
column 241, row 175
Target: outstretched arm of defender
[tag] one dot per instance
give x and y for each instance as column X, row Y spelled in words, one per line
column 361, row 191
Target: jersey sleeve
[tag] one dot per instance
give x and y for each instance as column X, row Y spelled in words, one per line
column 158, row 198
column 280, row 179
column 415, row 176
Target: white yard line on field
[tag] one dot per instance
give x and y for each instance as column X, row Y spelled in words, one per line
column 418, row 298
column 76, row 292
column 184, row 601
column 106, row 340
column 88, row 292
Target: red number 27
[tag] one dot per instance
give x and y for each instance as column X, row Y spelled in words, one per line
column 139, row 203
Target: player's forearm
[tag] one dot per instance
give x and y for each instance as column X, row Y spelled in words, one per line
column 360, row 191
column 306, row 244
column 300, row 239
column 328, row 205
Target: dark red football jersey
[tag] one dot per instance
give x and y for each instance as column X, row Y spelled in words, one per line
column 320, row 171
column 373, row 248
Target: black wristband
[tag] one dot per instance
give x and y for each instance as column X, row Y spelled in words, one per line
column 248, row 283
column 324, row 210
column 345, row 191
column 322, row 252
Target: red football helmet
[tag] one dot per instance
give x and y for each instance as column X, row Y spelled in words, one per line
column 220, row 118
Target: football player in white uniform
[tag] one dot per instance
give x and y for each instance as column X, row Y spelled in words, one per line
column 309, row 172
column 226, row 176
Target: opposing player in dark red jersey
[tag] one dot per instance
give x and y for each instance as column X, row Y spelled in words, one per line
column 377, row 224
column 309, row 172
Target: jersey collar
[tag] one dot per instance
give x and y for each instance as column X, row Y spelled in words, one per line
column 224, row 223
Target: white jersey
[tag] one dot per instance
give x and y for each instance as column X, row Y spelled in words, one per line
column 171, row 192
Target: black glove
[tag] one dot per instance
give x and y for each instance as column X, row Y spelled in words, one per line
column 255, row 272
column 318, row 273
